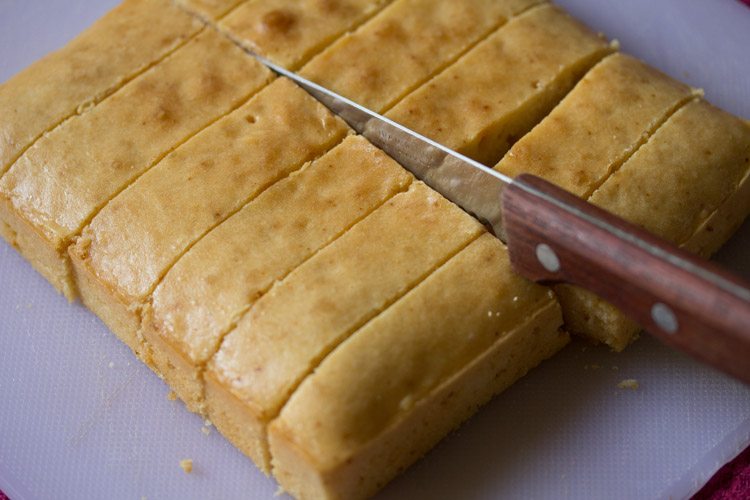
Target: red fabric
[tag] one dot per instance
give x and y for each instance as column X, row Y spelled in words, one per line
column 731, row 482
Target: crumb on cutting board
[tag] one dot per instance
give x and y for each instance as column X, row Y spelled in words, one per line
column 187, row 465
column 205, row 430
column 172, row 396
column 628, row 383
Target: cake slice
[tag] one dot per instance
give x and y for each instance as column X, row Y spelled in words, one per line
column 694, row 193
column 306, row 315
column 604, row 119
column 290, row 32
column 216, row 281
column 127, row 40
column 506, row 84
column 62, row 181
column 138, row 235
column 405, row 45
column 671, row 185
column 394, row 388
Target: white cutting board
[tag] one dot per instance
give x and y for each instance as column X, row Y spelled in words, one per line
column 81, row 418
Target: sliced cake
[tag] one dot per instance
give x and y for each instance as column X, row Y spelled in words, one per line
column 383, row 60
column 216, row 281
column 138, row 235
column 694, row 193
column 506, row 84
column 120, row 45
column 290, row 32
column 67, row 176
column 413, row 373
column 604, row 119
column 306, row 315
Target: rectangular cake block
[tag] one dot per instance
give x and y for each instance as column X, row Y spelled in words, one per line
column 506, row 84
column 127, row 40
column 217, row 280
column 604, row 119
column 406, row 44
column 304, row 317
column 386, row 395
column 138, row 235
column 209, row 10
column 687, row 184
column 290, row 32
column 60, row 183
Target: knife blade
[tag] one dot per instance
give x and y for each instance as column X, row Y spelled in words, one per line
column 474, row 187
column 555, row 237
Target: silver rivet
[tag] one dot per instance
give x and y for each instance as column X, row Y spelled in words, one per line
column 664, row 317
column 547, row 257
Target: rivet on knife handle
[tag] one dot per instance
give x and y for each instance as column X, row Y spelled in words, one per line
column 687, row 302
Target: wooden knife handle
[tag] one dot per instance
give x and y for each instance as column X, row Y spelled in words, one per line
column 681, row 299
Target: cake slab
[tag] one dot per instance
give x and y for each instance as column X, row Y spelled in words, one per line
column 72, row 425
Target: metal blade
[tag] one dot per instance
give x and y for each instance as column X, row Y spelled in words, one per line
column 474, row 187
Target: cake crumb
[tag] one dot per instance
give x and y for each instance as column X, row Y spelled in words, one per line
column 207, row 423
column 187, row 465
column 205, row 430
column 111, row 364
column 172, row 396
column 279, row 491
column 628, row 383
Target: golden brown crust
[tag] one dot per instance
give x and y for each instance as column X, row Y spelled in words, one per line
column 303, row 317
column 672, row 184
column 124, row 42
column 68, row 175
column 610, row 113
column 92, row 160
column 690, row 192
column 499, row 89
column 217, row 280
column 597, row 126
column 395, row 387
column 290, row 32
column 382, row 61
column 190, row 191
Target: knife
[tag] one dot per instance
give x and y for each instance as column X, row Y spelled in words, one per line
column 555, row 237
